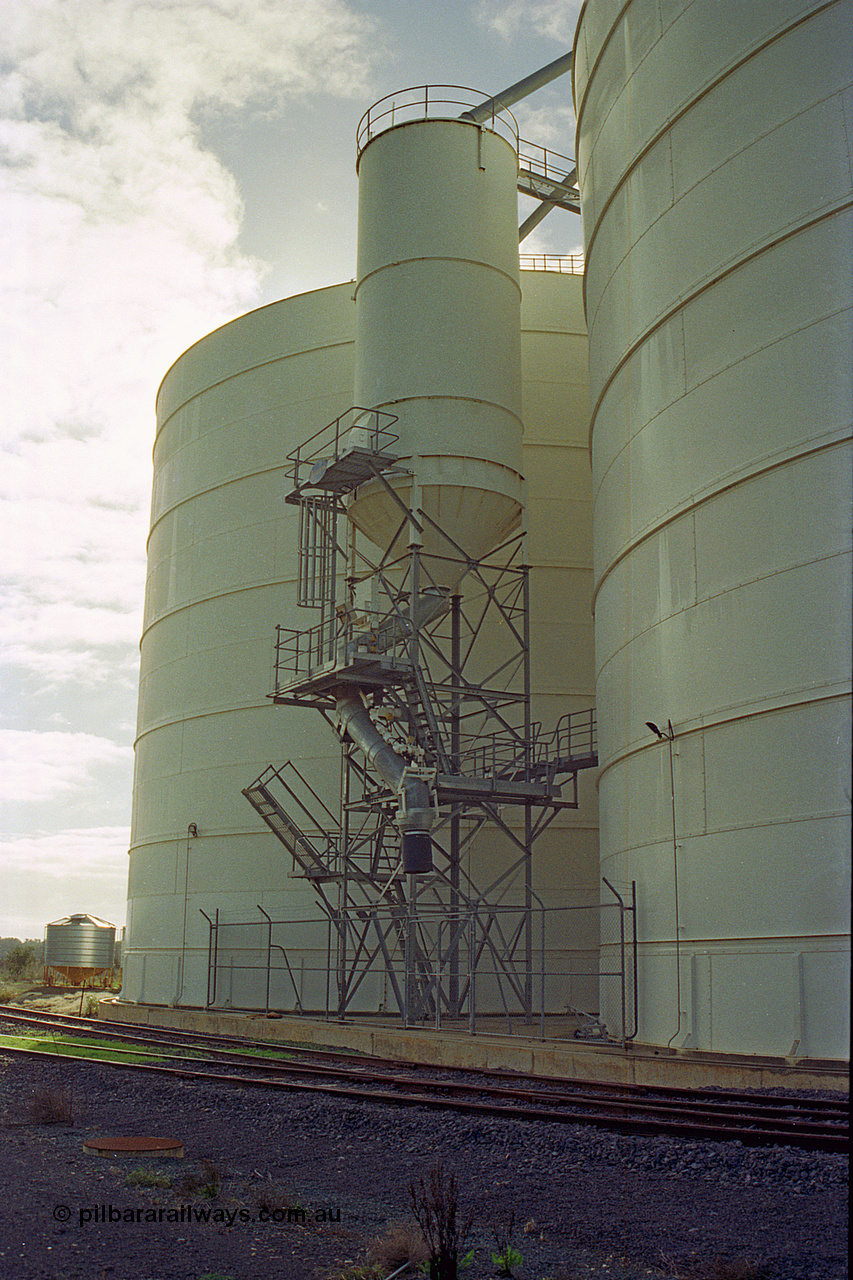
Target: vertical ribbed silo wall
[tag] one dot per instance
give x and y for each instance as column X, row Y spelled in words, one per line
column 221, row 574
column 714, row 157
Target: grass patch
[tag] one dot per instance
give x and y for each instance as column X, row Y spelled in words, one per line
column 65, row 1047
column 148, row 1178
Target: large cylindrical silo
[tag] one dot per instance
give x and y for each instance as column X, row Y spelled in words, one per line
column 714, row 160
column 223, row 555
column 437, row 327
column 222, row 570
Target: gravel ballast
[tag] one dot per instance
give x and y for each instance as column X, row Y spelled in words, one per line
column 586, row 1202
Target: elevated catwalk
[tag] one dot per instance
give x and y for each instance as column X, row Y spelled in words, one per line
column 556, row 1055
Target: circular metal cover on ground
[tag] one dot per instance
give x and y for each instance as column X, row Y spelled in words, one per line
column 132, row 1145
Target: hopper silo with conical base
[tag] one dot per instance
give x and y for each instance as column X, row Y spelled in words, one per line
column 438, row 323
column 714, row 159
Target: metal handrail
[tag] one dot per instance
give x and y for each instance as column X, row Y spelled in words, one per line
column 430, row 102
column 542, row 161
column 373, row 434
column 566, row 263
column 575, row 736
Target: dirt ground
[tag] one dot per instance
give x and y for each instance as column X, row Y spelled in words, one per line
column 55, row 999
column 586, row 1204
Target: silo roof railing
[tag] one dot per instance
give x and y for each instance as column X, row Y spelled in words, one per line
column 570, row 264
column 432, row 102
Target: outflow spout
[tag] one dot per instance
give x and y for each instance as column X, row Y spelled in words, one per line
column 415, row 814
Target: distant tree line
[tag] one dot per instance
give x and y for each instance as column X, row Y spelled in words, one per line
column 17, row 958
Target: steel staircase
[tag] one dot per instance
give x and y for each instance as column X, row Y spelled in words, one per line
column 315, row 855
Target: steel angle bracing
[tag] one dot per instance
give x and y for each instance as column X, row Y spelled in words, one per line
column 421, row 662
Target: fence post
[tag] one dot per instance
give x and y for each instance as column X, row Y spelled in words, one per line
column 472, row 973
column 622, row 1027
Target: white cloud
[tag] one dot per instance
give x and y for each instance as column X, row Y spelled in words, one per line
column 551, row 126
column 555, row 18
column 37, row 767
column 49, row 876
column 120, row 248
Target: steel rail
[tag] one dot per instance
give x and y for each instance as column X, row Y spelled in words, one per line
column 813, row 1139
column 689, row 1118
column 203, row 1040
column 699, row 1110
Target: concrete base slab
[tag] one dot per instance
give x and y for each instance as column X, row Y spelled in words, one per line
column 527, row 1055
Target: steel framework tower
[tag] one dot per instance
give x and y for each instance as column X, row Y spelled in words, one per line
column 436, row 731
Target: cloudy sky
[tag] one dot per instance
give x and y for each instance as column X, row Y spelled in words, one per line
column 164, row 166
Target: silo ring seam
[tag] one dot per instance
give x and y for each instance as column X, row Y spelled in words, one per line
column 797, row 452
column 793, row 700
column 279, row 358
column 842, row 311
column 212, row 488
column 672, row 208
column 247, row 316
column 717, row 595
column 703, row 92
column 672, row 120
column 257, row 585
column 405, row 262
column 264, row 471
column 157, row 725
column 708, row 283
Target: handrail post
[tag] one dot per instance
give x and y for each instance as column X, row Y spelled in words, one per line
column 269, row 953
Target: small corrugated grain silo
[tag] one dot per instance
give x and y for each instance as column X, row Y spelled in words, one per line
column 78, row 949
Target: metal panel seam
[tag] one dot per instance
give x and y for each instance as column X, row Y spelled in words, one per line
column 688, row 106
column 754, row 712
column 704, row 286
column 694, row 501
column 718, row 595
column 238, row 373
column 723, row 368
column 402, row 262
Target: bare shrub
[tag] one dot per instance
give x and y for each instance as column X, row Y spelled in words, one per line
column 51, row 1106
column 435, row 1204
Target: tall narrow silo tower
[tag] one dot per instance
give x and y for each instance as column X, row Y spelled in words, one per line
column 438, row 320
column 714, row 158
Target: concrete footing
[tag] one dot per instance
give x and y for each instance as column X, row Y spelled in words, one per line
column 527, row 1055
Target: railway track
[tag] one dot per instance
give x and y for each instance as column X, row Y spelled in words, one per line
column 703, row 1114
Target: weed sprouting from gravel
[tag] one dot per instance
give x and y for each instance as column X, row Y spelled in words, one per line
column 435, row 1204
column 505, row 1256
column 207, row 1183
